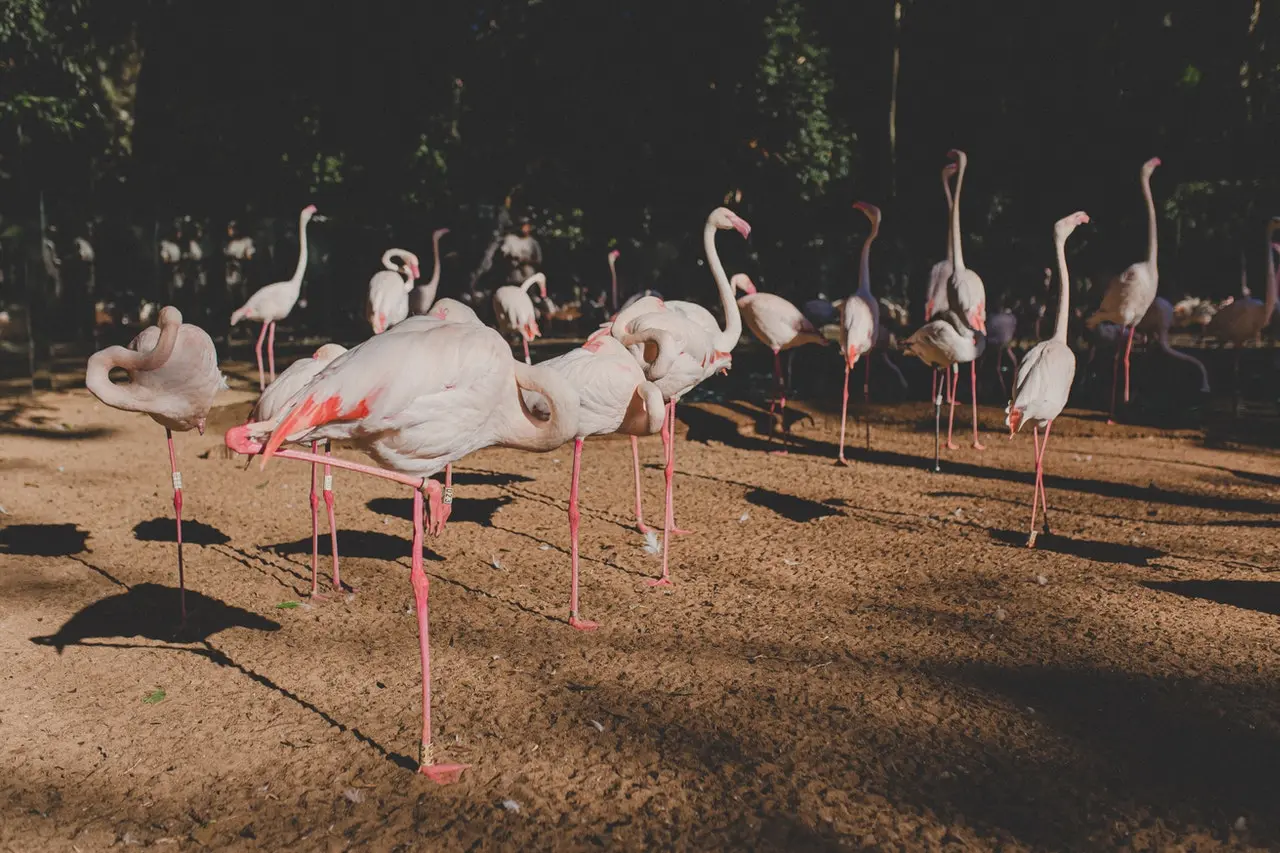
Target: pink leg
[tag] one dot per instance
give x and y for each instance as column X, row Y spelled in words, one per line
column 177, row 512
column 1115, row 381
column 973, row 385
column 933, row 390
column 580, row 624
column 671, row 458
column 866, row 400
column 446, row 508
column 1035, row 489
column 329, row 502
column 781, row 395
column 951, row 381
column 525, row 341
column 1044, row 499
column 315, row 526
column 440, row 773
column 669, row 518
column 844, row 413
column 262, row 381
column 635, row 461
column 271, row 350
column 1127, row 350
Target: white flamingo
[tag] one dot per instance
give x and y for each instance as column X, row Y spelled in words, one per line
column 514, row 309
column 422, row 297
column 860, row 325
column 389, row 289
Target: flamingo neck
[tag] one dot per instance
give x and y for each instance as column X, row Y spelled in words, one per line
column 298, row 271
column 1064, row 292
column 613, row 276
column 528, row 432
column 728, row 339
column 957, row 252
column 435, row 263
column 1151, row 225
column 131, row 398
column 946, row 188
column 864, row 269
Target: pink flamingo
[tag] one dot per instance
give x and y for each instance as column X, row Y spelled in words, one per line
column 274, row 302
column 700, row 354
column 1129, row 294
column 614, row 397
column 274, row 401
column 1156, row 324
column 945, row 344
column 514, row 310
column 173, row 377
column 463, row 394
column 1044, row 379
column 613, row 276
column 966, row 295
column 389, row 290
column 779, row 325
column 935, row 298
column 860, row 324
column 424, row 295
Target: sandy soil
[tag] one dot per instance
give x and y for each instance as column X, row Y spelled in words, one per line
column 851, row 657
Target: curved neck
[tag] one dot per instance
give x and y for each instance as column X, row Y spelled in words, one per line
column 613, row 276
column 1151, row 222
column 537, row 278
column 1162, row 340
column 957, row 253
column 1269, row 301
column 435, row 263
column 388, row 261
column 1064, row 290
column 864, row 271
column 530, row 433
column 946, row 188
column 128, row 397
column 728, row 339
column 302, row 252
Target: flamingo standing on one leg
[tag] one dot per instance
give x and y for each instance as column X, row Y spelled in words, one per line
column 1156, row 324
column 966, row 295
column 779, row 325
column 463, row 394
column 1244, row 319
column 859, row 325
column 935, row 298
column 173, row 377
column 1044, row 380
column 275, row 400
column 700, row 353
column 514, row 310
column 389, row 290
column 424, row 295
column 945, row 344
column 273, row 303
column 1129, row 294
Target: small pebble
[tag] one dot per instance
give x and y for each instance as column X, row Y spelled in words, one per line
column 1042, row 580
column 1001, row 614
column 742, row 519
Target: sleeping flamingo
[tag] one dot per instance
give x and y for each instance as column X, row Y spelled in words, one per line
column 945, row 344
column 173, row 377
column 700, row 354
column 1129, row 294
column 389, row 289
column 463, row 394
column 860, row 324
column 272, row 402
column 966, row 295
column 514, row 310
column 1044, row 379
column 424, row 295
column 779, row 325
column 274, row 302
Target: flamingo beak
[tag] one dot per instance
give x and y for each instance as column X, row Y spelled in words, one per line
column 740, row 225
column 413, row 268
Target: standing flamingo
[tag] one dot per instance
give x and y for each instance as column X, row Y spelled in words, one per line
column 1156, row 324
column 614, row 396
column 613, row 276
column 700, row 354
column 514, row 310
column 1245, row 318
column 424, row 295
column 1129, row 294
column 273, row 401
column 966, row 295
column 779, row 325
column 1044, row 379
column 860, row 325
column 935, row 298
column 463, row 394
column 389, row 290
column 173, row 377
column 1002, row 327
column 273, row 303
column 945, row 344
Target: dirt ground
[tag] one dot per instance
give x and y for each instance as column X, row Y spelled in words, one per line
column 850, row 657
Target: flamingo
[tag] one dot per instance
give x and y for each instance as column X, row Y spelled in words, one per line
column 1129, row 295
column 613, row 276
column 614, row 396
column 273, row 303
column 967, row 295
column 1044, row 379
column 424, row 295
column 700, row 354
column 1002, row 327
column 514, row 310
column 935, row 298
column 388, row 301
column 173, row 377
column 272, row 402
column 1245, row 318
column 778, row 325
column 860, row 325
column 945, row 344
column 1156, row 324
column 463, row 394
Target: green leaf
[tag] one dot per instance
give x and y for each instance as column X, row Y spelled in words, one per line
column 287, row 605
column 155, row 697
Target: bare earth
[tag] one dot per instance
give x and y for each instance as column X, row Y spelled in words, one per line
column 850, row 657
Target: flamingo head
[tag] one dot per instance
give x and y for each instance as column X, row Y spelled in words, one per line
column 978, row 318
column 723, row 218
column 960, row 158
column 309, row 211
column 872, row 212
column 613, row 256
column 949, row 171
column 438, row 233
column 742, row 281
column 1014, row 421
column 328, row 353
column 1150, row 166
column 200, row 424
column 1063, row 227
column 542, row 287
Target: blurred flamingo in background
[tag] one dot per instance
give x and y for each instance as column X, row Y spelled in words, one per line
column 389, row 289
column 514, row 309
column 860, row 325
column 422, row 297
column 966, row 295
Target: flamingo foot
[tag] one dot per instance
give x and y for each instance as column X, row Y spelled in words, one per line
column 951, row 446
column 1110, row 422
column 842, row 462
column 977, row 445
column 642, row 527
column 583, row 624
column 443, row 774
column 677, row 531
column 1031, row 540
column 660, row 582
column 778, row 453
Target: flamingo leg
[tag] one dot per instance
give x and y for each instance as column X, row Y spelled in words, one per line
column 671, row 458
column 951, row 394
column 668, row 518
column 1035, row 487
column 574, row 621
column 177, row 513
column 1115, row 382
column 1044, row 499
column 635, row 463
column 257, row 350
column 844, row 414
column 973, row 384
column 271, row 349
column 866, row 399
column 315, row 526
column 439, row 773
column 1041, row 447
column 1014, row 358
column 329, row 502
column 937, row 427
column 782, row 400
column 525, row 340
column 1127, row 350
column 933, row 392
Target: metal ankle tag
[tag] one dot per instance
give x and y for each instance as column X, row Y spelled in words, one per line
column 328, row 482
column 177, row 479
column 448, row 494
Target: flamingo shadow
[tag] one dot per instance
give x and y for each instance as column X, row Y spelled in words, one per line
column 475, row 510
column 166, row 530
column 1260, row 596
column 43, row 540
column 800, row 510
column 371, row 544
column 1088, row 549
